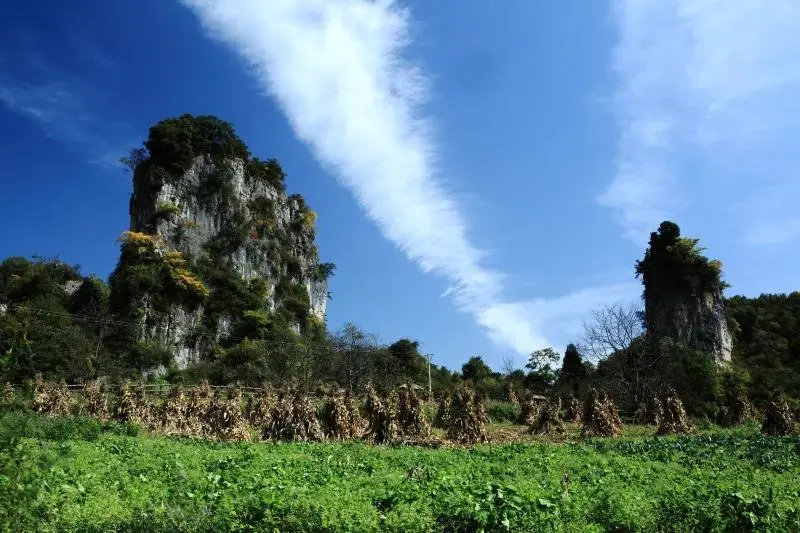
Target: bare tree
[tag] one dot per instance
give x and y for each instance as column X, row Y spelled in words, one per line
column 509, row 365
column 357, row 352
column 611, row 329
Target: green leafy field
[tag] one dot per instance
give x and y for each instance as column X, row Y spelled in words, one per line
column 81, row 475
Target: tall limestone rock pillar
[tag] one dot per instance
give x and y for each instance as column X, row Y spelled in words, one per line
column 216, row 249
column 683, row 294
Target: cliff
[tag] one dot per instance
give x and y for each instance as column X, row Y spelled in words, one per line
column 683, row 294
column 215, row 245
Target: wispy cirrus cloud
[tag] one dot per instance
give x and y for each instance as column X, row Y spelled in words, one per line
column 63, row 107
column 339, row 71
column 707, row 99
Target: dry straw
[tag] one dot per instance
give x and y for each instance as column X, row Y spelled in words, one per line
column 674, row 421
column 600, row 416
column 778, row 419
column 468, row 418
column 549, row 420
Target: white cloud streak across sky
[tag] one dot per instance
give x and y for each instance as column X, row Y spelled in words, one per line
column 337, row 69
column 708, row 98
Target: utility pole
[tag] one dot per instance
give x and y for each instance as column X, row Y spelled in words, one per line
column 430, row 389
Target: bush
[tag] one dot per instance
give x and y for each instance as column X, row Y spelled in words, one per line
column 500, row 412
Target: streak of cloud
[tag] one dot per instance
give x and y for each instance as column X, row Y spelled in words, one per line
column 339, row 70
column 707, row 101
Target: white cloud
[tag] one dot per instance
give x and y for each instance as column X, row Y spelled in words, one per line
column 62, row 111
column 707, row 101
column 337, row 69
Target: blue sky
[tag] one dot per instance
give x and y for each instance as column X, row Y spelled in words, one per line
column 484, row 176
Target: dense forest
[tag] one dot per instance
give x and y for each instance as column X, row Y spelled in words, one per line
column 61, row 323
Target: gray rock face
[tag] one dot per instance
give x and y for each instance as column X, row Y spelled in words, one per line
column 188, row 218
column 697, row 322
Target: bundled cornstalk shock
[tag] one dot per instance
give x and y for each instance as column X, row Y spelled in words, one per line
column 260, row 405
column 443, row 410
column 467, row 420
column 511, row 395
column 8, row 394
column 142, row 405
column 528, row 410
column 200, row 401
column 737, row 409
column 549, row 421
column 381, row 420
column 131, row 405
column 293, row 418
column 58, row 400
column 778, row 419
column 174, row 415
column 335, row 419
column 95, row 401
column 600, row 416
column 41, row 394
column 411, row 420
column 572, row 411
column 674, row 420
column 227, row 418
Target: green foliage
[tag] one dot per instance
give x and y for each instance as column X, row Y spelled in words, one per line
column 293, row 299
column 269, row 171
column 695, row 377
column 85, row 477
column 475, row 369
column 167, row 210
column 573, row 370
column 173, row 143
column 767, row 344
column 675, row 264
column 322, row 271
column 500, row 412
column 38, row 332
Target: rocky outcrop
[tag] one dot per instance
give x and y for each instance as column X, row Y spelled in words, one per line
column 213, row 245
column 683, row 294
column 697, row 322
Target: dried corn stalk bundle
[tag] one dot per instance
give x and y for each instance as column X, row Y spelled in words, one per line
column 174, row 412
column 142, row 405
column 737, row 409
column 41, row 394
column 572, row 411
column 479, row 408
column 443, row 410
column 600, row 416
column 95, row 401
column 381, row 420
column 7, row 394
column 411, row 420
column 126, row 408
column 227, row 418
column 354, row 418
column 200, row 401
column 549, row 420
column 58, row 400
column 293, row 418
column 260, row 405
column 466, row 424
column 335, row 418
column 511, row 395
column 529, row 410
column 674, row 420
column 778, row 419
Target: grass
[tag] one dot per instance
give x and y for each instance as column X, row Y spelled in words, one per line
column 81, row 475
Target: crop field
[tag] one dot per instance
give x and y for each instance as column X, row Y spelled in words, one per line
column 82, row 474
